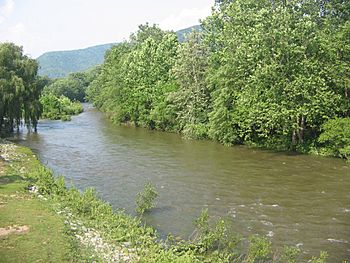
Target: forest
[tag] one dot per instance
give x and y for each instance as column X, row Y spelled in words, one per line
column 271, row 74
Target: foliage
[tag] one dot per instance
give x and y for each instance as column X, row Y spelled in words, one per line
column 259, row 249
column 278, row 90
column 321, row 259
column 263, row 73
column 145, row 199
column 20, row 88
column 55, row 108
column 336, row 137
column 217, row 242
column 290, row 254
column 136, row 79
column 73, row 86
column 192, row 99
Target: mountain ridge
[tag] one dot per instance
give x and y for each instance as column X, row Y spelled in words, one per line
column 57, row 64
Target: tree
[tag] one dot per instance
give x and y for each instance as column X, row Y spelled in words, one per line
column 72, row 87
column 20, row 88
column 193, row 98
column 272, row 84
column 136, row 78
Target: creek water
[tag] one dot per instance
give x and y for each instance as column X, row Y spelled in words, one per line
column 295, row 200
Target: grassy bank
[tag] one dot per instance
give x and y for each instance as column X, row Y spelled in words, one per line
column 43, row 221
column 30, row 231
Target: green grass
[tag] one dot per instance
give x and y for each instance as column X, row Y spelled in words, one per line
column 48, row 238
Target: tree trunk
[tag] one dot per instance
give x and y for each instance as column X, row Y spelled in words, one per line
column 294, row 139
column 301, row 129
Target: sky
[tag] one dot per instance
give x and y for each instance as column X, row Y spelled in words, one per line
column 50, row 25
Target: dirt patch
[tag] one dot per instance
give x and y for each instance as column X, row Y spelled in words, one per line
column 13, row 230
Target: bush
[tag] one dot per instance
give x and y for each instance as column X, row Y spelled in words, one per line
column 259, row 249
column 290, row 254
column 321, row 259
column 46, row 183
column 145, row 200
column 195, row 131
column 55, row 108
column 215, row 242
column 335, row 138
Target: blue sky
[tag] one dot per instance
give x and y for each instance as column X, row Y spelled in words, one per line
column 46, row 25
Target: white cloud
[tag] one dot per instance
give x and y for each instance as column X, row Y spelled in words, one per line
column 19, row 35
column 17, row 30
column 186, row 18
column 6, row 10
column 13, row 33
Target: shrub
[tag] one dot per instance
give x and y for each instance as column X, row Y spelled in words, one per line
column 216, row 242
column 290, row 254
column 321, row 259
column 145, row 200
column 55, row 108
column 259, row 249
column 195, row 131
column 335, row 138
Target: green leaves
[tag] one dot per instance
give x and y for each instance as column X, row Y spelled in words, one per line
column 192, row 99
column 335, row 137
column 146, row 199
column 136, row 79
column 55, row 108
column 265, row 73
column 19, row 88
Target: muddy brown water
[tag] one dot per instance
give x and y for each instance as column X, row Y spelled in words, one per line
column 294, row 200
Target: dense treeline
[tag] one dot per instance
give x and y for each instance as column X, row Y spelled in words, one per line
column 73, row 86
column 265, row 73
column 20, row 89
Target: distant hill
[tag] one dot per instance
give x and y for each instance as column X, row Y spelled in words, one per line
column 181, row 34
column 59, row 64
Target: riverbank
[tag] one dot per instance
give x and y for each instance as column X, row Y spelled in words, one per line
column 43, row 221
column 30, row 230
column 38, row 222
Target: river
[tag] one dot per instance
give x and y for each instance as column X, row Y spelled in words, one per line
column 293, row 199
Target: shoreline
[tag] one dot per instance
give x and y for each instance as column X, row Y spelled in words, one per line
column 100, row 234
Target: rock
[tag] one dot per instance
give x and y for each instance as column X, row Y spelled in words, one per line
column 33, row 189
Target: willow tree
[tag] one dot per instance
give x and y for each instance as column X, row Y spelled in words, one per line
column 19, row 89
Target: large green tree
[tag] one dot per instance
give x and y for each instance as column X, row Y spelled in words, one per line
column 19, row 88
column 192, row 100
column 136, row 78
column 73, row 86
column 272, row 86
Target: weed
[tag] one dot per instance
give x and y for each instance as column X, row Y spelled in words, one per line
column 146, row 199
